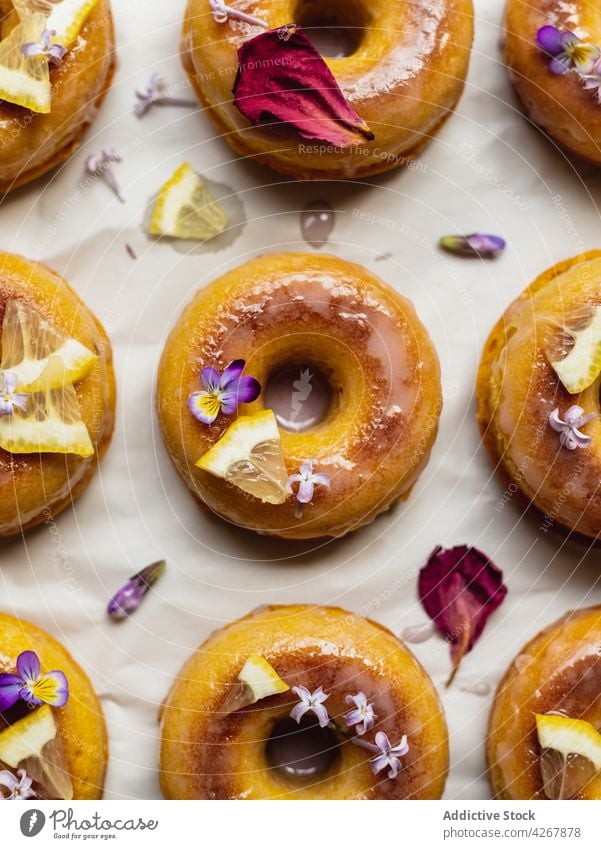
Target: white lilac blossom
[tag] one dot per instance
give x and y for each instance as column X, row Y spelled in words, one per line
column 307, row 481
column 222, row 13
column 9, row 399
column 157, row 93
column 55, row 53
column 571, row 436
column 362, row 717
column 592, row 82
column 127, row 599
column 18, row 786
column 387, row 754
column 99, row 165
column 311, row 702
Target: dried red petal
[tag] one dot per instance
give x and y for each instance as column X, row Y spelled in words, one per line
column 282, row 77
column 459, row 588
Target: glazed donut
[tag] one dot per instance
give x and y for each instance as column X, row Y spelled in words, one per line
column 80, row 722
column 403, row 78
column 558, row 673
column 209, row 751
column 559, row 104
column 33, row 143
column 520, row 394
column 299, row 311
column 37, row 486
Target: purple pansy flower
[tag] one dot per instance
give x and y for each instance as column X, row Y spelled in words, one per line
column 567, row 50
column 157, row 92
column 387, row 754
column 307, row 481
column 18, row 786
column 223, row 393
column 127, row 599
column 29, row 684
column 311, row 703
column 362, row 717
column 54, row 52
column 480, row 245
column 575, row 418
column 9, row 399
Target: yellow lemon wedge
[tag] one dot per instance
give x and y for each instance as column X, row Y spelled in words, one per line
column 569, row 737
column 51, row 421
column 25, row 81
column 256, row 680
column 261, row 678
column 250, row 455
column 32, row 744
column 28, row 342
column 65, row 17
column 582, row 365
column 185, row 208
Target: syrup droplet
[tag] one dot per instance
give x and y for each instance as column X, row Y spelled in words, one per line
column 317, row 223
column 418, row 633
column 480, row 689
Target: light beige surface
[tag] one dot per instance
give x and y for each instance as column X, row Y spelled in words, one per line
column 486, row 171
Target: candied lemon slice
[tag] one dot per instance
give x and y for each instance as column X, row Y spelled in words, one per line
column 569, row 737
column 51, row 422
column 28, row 342
column 185, row 208
column 32, row 744
column 256, row 680
column 249, row 455
column 66, row 17
column 581, row 367
column 261, row 677
column 25, row 80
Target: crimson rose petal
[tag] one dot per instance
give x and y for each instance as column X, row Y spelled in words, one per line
column 459, row 588
column 282, row 77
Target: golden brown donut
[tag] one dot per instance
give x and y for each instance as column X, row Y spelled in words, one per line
column 518, row 388
column 34, row 488
column 210, row 753
column 404, row 78
column 80, row 722
column 287, row 310
column 558, row 104
column 559, row 671
column 31, row 143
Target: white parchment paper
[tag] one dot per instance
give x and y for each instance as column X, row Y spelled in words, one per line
column 487, row 171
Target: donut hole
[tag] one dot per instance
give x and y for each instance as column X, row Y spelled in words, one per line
column 300, row 395
column 302, row 752
column 337, row 29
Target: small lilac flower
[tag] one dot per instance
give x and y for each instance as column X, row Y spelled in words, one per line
column 480, row 245
column 128, row 598
column 307, row 481
column 223, row 13
column 388, row 755
column 9, row 399
column 571, row 436
column 30, row 685
column 223, row 393
column 55, row 52
column 567, row 50
column 156, row 92
column 99, row 165
column 311, row 703
column 592, row 82
column 18, row 786
column 362, row 717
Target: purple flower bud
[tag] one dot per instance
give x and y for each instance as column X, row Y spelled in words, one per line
column 480, row 245
column 128, row 598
